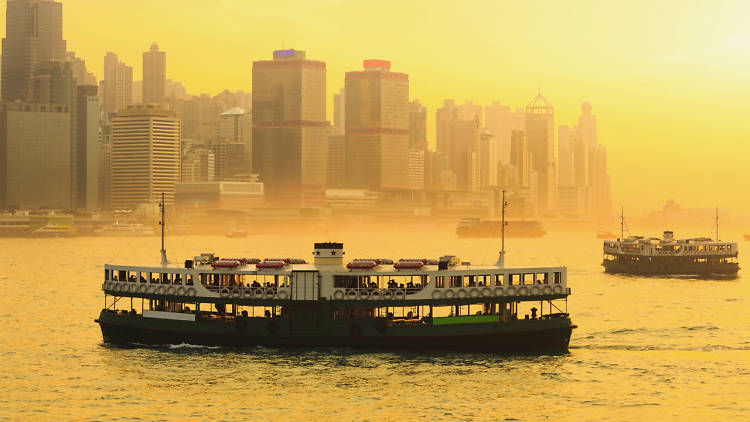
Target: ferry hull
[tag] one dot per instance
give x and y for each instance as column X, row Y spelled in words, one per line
column 669, row 268
column 550, row 336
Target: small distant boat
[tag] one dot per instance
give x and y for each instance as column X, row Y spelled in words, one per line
column 605, row 234
column 53, row 230
column 125, row 230
column 236, row 234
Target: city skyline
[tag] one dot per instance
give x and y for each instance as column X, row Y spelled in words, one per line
column 650, row 99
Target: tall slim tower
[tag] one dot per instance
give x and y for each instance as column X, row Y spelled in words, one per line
column 154, row 75
column 540, row 136
column 145, row 155
column 117, row 92
column 33, row 35
column 377, row 127
column 417, row 126
column 290, row 146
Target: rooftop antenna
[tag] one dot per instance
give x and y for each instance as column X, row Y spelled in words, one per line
column 162, row 223
column 622, row 222
column 503, row 204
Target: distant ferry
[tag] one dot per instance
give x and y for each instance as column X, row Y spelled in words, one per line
column 55, row 230
column 669, row 256
column 236, row 234
column 475, row 227
column 373, row 303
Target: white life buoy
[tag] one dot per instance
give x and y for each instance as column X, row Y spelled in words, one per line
column 258, row 293
column 283, row 295
column 388, row 294
column 436, row 294
column 399, row 295
column 486, row 292
column 498, row 291
column 523, row 291
column 558, row 289
column 224, row 292
column 351, row 294
column 247, row 293
column 142, row 288
column 151, row 289
column 376, row 295
column 180, row 291
column 474, row 292
column 547, row 289
column 338, row 294
column 190, row 291
column 449, row 294
column 236, row 292
column 171, row 290
column 161, row 290
column 461, row 293
column 510, row 290
column 536, row 290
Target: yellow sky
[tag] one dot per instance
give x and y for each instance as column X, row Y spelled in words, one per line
column 668, row 79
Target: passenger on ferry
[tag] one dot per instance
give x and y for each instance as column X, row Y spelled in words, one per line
column 255, row 283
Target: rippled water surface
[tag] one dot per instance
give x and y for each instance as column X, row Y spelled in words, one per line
column 645, row 349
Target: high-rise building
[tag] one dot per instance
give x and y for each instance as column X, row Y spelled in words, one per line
column 519, row 159
column 33, row 35
column 35, row 156
column 501, row 121
column 587, row 126
column 377, row 127
column 236, row 126
column 470, row 111
column 565, row 169
column 540, row 137
column 464, row 158
column 416, row 172
column 417, row 126
column 105, row 166
column 145, row 155
column 154, row 75
column 199, row 165
column 339, row 112
column 336, row 168
column 87, row 147
column 117, row 85
column 488, row 163
column 80, row 72
column 444, row 117
column 290, row 145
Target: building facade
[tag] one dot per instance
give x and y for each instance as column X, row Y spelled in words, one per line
column 377, row 127
column 290, row 145
column 154, row 75
column 540, row 137
column 117, row 85
column 145, row 155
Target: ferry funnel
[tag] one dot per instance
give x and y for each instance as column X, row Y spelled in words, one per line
column 329, row 253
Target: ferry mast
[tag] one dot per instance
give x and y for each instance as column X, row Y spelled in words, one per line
column 162, row 223
column 503, row 204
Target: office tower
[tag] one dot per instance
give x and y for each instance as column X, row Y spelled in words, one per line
column 117, row 85
column 540, row 137
column 105, row 166
column 464, row 156
column 235, row 126
column 80, row 72
column 587, row 126
column 231, row 99
column 416, row 171
column 487, row 158
column 336, row 166
column 199, row 165
column 87, row 147
column 136, row 96
column 519, row 158
column 444, row 117
column 154, row 75
column 35, row 156
column 290, row 146
column 33, row 35
column 200, row 117
column 501, row 121
column 145, row 155
column 470, row 111
column 339, row 112
column 565, row 173
column 377, row 127
column 417, row 126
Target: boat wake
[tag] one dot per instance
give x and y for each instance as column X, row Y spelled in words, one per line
column 191, row 346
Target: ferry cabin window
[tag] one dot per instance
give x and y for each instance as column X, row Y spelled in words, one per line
column 189, row 279
column 456, row 281
column 499, row 279
column 558, row 277
column 515, row 279
column 440, row 282
column 528, row 278
column 122, row 275
column 108, row 275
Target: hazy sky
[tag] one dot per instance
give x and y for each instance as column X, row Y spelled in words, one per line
column 669, row 80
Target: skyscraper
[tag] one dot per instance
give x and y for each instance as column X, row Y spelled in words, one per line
column 540, row 136
column 417, row 126
column 87, row 147
column 290, row 145
column 145, row 155
column 339, row 112
column 33, row 35
column 501, row 121
column 117, row 84
column 154, row 75
column 377, row 127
